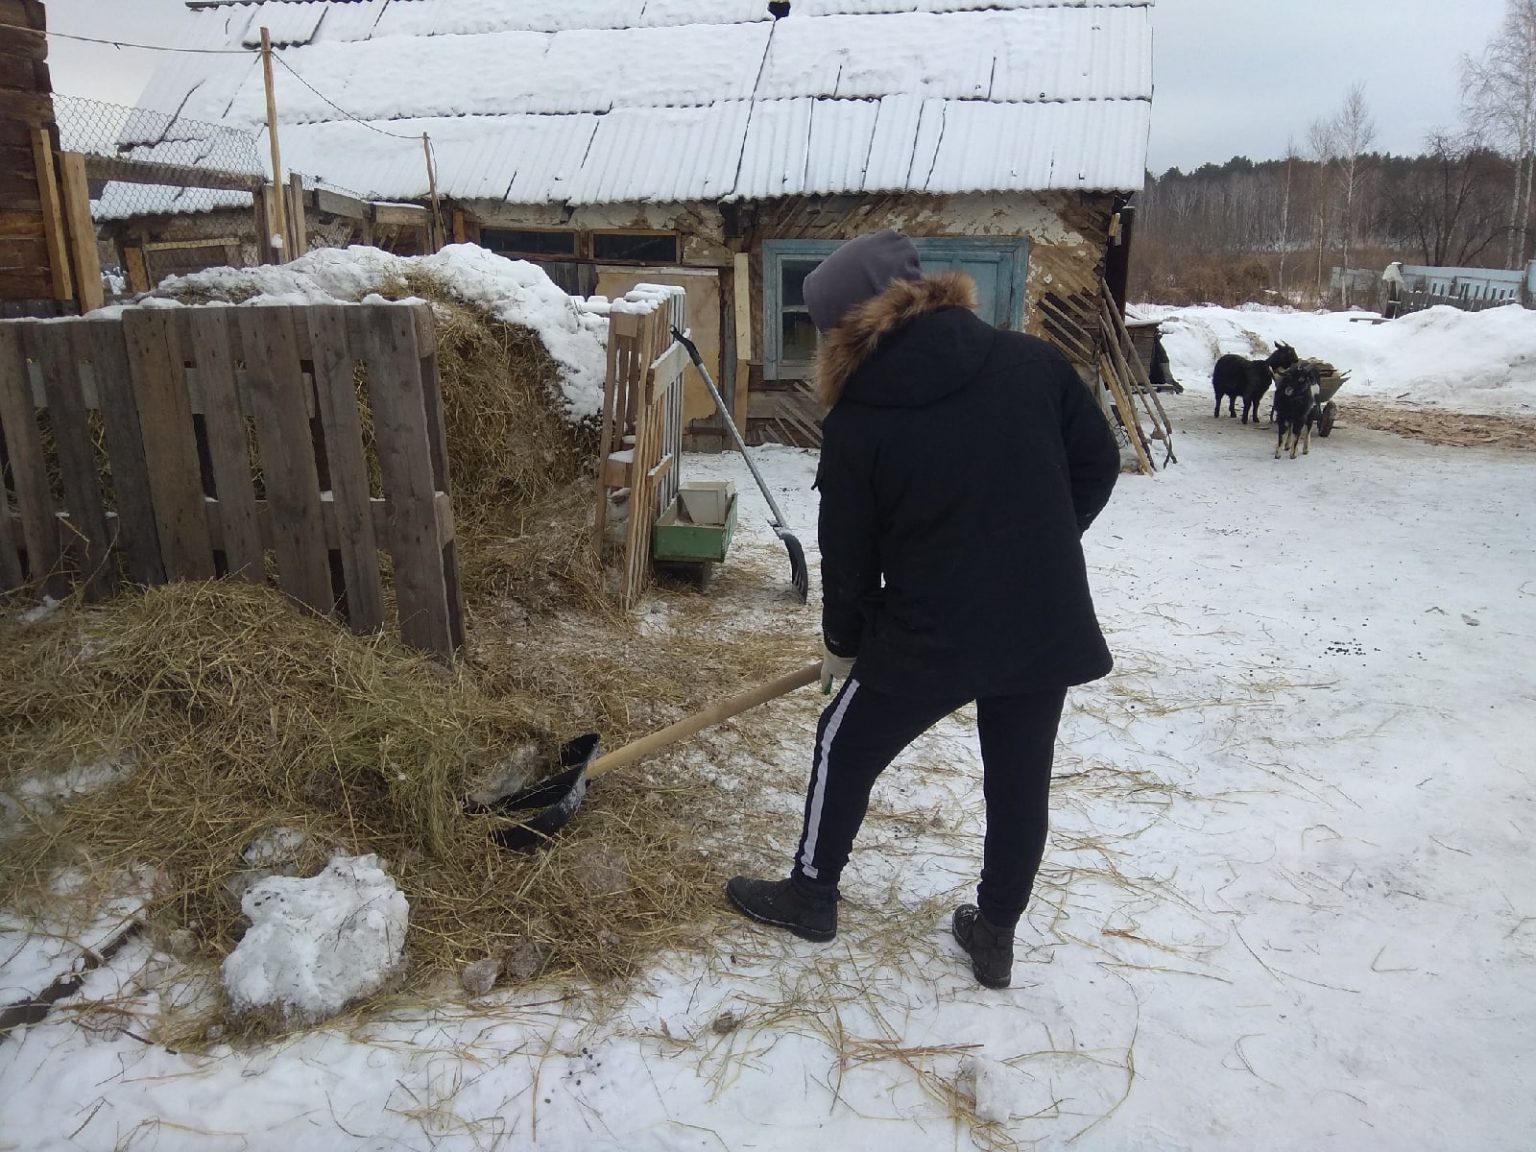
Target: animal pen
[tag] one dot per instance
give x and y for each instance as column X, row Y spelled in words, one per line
column 286, row 443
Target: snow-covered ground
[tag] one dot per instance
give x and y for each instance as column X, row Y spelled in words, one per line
column 1288, row 901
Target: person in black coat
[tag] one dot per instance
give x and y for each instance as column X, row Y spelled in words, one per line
column 960, row 467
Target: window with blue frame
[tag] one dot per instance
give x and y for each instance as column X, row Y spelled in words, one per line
column 997, row 264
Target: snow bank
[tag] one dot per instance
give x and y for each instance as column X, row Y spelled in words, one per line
column 1475, row 362
column 514, row 291
column 317, row 944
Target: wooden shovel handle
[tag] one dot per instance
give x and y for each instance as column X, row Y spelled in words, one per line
column 708, row 718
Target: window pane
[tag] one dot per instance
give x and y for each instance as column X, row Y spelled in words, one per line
column 799, row 343
column 794, row 273
column 532, row 243
column 638, row 248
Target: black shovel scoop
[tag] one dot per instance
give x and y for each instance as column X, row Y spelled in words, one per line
column 554, row 801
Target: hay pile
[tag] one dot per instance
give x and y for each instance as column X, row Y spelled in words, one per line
column 242, row 721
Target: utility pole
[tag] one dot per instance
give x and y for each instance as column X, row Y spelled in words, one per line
column 277, row 222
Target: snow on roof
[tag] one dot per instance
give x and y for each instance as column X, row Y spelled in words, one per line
column 599, row 101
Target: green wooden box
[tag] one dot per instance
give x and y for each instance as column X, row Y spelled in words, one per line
column 697, row 527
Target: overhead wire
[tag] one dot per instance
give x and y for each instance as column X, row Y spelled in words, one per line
column 127, row 43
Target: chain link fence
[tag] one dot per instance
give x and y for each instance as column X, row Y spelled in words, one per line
column 184, row 149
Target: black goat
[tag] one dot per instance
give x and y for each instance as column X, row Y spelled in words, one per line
column 1296, row 408
column 1236, row 378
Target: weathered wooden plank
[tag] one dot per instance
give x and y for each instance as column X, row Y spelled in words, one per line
column 156, row 367
column 101, row 342
column 20, row 225
column 52, row 347
column 432, row 402
column 12, row 575
column 53, row 216
column 403, row 215
column 378, row 515
column 24, row 449
column 22, row 70
column 298, row 226
column 287, row 454
column 337, row 401
column 21, row 14
column 137, row 268
column 385, row 338
column 335, row 204
column 426, row 349
column 31, row 44
column 126, row 171
column 34, row 109
column 82, row 233
column 208, row 336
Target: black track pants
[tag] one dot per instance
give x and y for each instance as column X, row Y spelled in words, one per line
column 863, row 730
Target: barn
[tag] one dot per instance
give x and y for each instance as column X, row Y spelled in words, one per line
column 723, row 145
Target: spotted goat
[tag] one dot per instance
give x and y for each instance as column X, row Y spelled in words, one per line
column 1296, row 408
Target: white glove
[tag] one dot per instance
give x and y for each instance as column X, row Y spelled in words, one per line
column 834, row 667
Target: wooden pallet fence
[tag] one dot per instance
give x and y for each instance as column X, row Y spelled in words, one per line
column 190, row 443
column 641, row 437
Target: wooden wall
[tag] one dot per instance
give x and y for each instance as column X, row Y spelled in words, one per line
column 27, row 272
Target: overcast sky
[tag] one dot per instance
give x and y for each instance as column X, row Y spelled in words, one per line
column 1232, row 77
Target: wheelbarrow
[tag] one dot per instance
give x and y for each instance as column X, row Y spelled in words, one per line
column 1329, row 381
column 553, row 801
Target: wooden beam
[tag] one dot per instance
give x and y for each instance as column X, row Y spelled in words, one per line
column 405, row 215
column 53, row 216
column 137, row 268
column 279, row 213
column 82, row 232
column 743, row 320
column 33, row 109
column 298, row 226
column 178, row 245
column 335, row 204
column 126, row 171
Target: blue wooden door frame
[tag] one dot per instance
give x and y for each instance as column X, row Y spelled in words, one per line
column 1010, row 253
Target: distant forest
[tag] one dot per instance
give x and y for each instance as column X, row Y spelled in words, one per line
column 1276, row 230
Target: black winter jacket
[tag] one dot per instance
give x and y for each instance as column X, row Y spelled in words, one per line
column 960, row 466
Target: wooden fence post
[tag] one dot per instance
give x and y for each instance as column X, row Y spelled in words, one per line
column 82, row 232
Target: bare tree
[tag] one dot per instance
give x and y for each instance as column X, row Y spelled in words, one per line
column 1353, row 132
column 1322, row 142
column 1499, row 92
column 1291, row 156
column 1448, row 203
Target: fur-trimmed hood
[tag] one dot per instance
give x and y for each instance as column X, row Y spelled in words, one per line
column 849, row 346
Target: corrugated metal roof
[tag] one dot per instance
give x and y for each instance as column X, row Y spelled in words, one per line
column 286, row 24
column 665, row 100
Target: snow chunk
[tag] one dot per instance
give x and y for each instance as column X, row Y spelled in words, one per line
column 317, row 944
column 1000, row 1092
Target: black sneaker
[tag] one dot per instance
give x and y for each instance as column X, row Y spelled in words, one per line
column 786, row 904
column 989, row 947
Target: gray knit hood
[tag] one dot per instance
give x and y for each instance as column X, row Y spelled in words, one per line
column 859, row 270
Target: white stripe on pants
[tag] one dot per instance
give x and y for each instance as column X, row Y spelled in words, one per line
column 819, row 785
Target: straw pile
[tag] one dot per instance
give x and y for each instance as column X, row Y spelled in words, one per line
column 235, row 717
